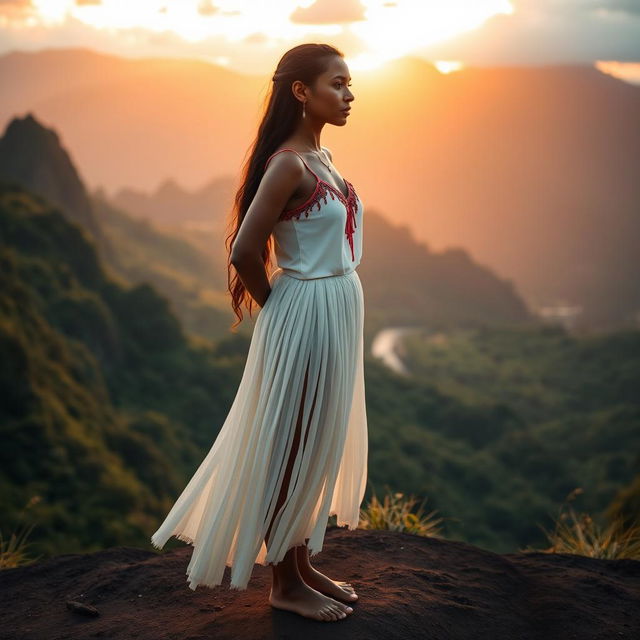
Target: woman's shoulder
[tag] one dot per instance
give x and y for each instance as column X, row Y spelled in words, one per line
column 292, row 160
column 285, row 146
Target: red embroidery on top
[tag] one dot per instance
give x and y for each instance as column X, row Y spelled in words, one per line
column 320, row 192
column 352, row 208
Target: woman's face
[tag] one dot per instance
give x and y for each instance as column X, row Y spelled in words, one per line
column 331, row 94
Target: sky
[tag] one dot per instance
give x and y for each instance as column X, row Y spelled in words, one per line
column 250, row 36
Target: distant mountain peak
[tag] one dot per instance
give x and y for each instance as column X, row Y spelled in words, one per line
column 28, row 130
column 32, row 155
column 169, row 188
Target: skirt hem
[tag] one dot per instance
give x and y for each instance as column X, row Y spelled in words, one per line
column 237, row 586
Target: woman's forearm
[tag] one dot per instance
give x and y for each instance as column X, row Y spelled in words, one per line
column 252, row 272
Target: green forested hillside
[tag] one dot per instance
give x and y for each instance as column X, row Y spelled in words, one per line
column 508, row 422
column 106, row 406
column 32, row 155
column 194, row 281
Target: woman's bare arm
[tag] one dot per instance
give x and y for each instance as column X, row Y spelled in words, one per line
column 278, row 184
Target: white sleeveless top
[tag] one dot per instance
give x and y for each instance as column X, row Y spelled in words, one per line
column 323, row 236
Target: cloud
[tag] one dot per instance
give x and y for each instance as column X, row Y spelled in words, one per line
column 628, row 71
column 256, row 38
column 16, row 6
column 631, row 7
column 537, row 32
column 15, row 11
column 329, row 12
column 578, row 7
column 207, row 8
column 548, row 32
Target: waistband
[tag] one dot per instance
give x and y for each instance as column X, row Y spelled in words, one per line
column 284, row 272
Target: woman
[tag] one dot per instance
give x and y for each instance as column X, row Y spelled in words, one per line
column 293, row 448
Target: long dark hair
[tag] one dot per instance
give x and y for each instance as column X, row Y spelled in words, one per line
column 281, row 116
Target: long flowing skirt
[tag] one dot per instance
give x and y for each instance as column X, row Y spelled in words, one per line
column 305, row 363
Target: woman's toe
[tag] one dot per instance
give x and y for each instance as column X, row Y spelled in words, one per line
column 325, row 613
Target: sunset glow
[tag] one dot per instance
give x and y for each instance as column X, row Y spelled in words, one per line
column 627, row 71
column 396, row 29
column 380, row 30
column 448, row 66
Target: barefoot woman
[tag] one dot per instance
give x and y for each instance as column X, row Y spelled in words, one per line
column 293, row 448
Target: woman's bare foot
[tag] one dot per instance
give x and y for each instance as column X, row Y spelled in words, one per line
column 342, row 591
column 306, row 601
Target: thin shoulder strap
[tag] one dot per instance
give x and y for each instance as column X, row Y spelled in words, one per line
column 294, row 151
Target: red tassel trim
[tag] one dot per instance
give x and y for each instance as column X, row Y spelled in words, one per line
column 321, row 191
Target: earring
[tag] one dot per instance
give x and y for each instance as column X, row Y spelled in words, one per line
column 303, row 110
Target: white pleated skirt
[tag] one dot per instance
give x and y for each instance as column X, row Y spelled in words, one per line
column 312, row 326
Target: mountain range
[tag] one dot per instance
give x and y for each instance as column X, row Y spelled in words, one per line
column 532, row 170
column 451, row 287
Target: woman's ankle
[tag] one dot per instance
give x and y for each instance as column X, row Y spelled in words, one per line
column 285, row 584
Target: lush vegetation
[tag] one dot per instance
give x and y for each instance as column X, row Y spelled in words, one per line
column 192, row 280
column 108, row 408
column 497, row 425
column 572, row 532
column 106, row 405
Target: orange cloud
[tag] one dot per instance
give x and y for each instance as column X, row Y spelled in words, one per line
column 207, row 8
column 15, row 11
column 329, row 12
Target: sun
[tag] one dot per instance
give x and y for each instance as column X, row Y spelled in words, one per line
column 393, row 29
